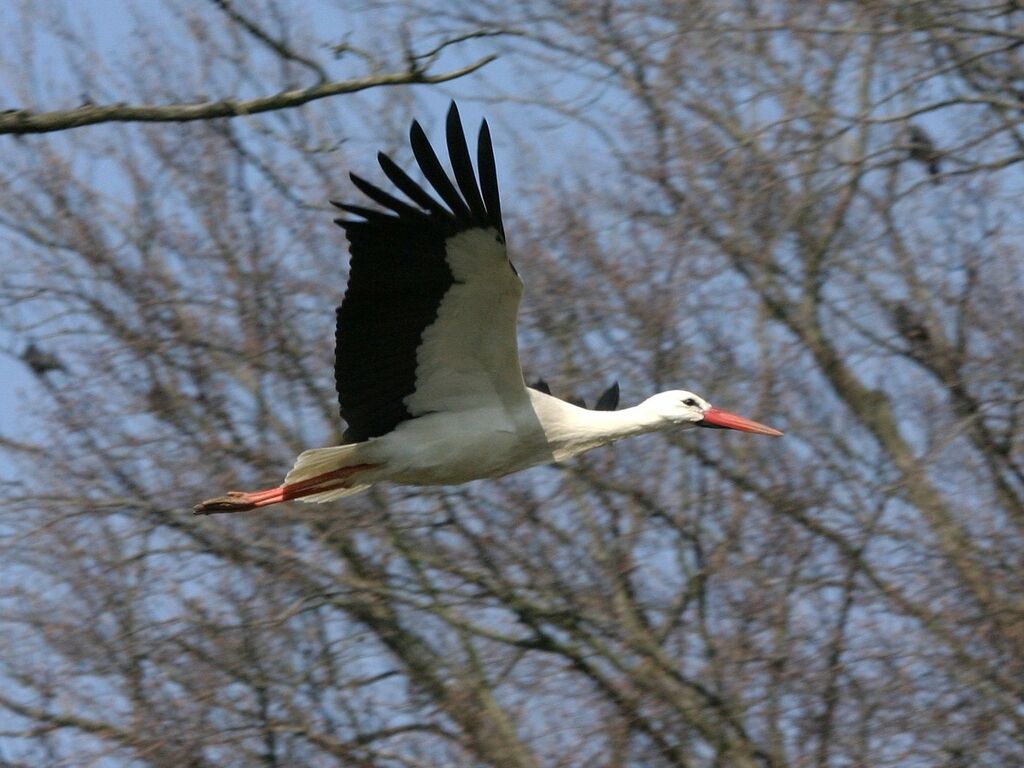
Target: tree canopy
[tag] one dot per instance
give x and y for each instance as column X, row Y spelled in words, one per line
column 806, row 211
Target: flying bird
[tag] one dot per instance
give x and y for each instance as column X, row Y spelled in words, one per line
column 426, row 360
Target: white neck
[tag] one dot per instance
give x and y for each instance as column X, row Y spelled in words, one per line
column 570, row 430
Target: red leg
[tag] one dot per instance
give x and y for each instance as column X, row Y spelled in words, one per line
column 238, row 501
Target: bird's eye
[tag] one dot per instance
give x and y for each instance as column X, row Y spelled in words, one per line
column 689, row 401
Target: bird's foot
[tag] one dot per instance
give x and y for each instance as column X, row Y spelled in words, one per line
column 239, row 501
column 233, row 501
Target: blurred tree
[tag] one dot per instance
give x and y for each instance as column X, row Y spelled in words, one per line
column 711, row 197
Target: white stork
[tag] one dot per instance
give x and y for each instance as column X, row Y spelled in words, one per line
column 427, row 366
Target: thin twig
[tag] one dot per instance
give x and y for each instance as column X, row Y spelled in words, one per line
column 278, row 46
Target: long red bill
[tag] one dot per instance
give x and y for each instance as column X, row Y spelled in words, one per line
column 718, row 419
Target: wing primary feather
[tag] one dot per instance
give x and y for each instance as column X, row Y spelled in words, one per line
column 381, row 197
column 488, row 176
column 370, row 214
column 541, row 386
column 435, row 173
column 412, row 190
column 462, row 165
column 609, row 400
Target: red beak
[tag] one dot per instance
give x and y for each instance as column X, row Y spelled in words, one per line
column 716, row 419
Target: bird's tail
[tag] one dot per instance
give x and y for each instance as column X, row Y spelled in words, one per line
column 318, row 462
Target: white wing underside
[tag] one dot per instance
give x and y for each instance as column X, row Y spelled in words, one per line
column 469, row 356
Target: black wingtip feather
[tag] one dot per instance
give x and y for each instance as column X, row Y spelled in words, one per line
column 386, row 199
column 488, row 176
column 541, row 386
column 410, row 188
column 367, row 213
column 609, row 400
column 462, row 165
column 435, row 172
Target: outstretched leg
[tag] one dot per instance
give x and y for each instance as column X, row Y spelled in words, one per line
column 239, row 501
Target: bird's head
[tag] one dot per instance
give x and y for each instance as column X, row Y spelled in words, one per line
column 685, row 409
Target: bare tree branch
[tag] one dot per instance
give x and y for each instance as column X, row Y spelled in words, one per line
column 22, row 121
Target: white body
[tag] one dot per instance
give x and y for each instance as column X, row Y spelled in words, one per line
column 451, row 448
column 448, row 448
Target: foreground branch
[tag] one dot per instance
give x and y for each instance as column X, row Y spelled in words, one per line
column 23, row 121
